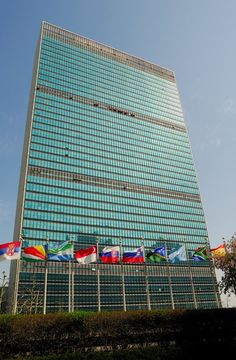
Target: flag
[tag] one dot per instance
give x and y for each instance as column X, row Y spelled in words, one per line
column 10, row 251
column 60, row 252
column 178, row 254
column 200, row 254
column 158, row 255
column 86, row 256
column 219, row 251
column 35, row 253
column 110, row 254
column 134, row 256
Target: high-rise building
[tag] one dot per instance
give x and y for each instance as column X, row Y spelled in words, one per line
column 107, row 158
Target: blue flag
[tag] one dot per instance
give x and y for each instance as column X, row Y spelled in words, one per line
column 60, row 252
column 157, row 255
column 178, row 254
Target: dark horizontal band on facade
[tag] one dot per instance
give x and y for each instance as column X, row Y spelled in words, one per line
column 52, row 116
column 189, row 185
column 51, row 113
column 68, row 37
column 48, row 62
column 53, row 76
column 157, row 269
column 102, row 105
column 107, row 183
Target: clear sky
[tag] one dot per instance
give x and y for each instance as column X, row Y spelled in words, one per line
column 195, row 38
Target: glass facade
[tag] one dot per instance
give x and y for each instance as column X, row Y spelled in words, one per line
column 107, row 158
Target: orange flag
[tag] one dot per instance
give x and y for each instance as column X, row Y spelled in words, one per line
column 219, row 251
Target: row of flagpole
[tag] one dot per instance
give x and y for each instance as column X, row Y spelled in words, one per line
column 71, row 276
column 109, row 254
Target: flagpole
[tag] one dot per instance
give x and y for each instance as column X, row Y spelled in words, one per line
column 69, row 289
column 72, row 280
column 212, row 273
column 146, row 278
column 45, row 280
column 98, row 277
column 191, row 278
column 122, row 276
column 14, row 309
column 169, row 280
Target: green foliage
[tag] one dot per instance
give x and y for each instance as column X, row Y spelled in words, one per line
column 85, row 333
column 227, row 264
column 148, row 353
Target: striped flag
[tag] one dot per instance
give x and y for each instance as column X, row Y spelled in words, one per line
column 60, row 252
column 10, row 251
column 35, row 253
column 134, row 256
column 86, row 256
column 219, row 251
column 110, row 254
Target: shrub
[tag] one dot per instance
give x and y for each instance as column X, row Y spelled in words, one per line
column 85, row 332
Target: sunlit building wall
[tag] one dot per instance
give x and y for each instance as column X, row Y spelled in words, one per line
column 107, row 158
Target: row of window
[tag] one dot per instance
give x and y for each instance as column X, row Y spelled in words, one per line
column 102, row 149
column 55, row 126
column 112, row 236
column 75, row 207
column 161, row 273
column 78, row 110
column 108, row 153
column 118, row 298
column 110, row 218
column 102, row 125
column 87, row 275
column 49, row 187
column 121, row 134
column 166, row 170
column 51, row 122
column 81, row 289
column 88, row 159
column 102, row 171
column 93, row 94
column 158, row 95
column 89, row 81
column 119, row 70
column 109, row 227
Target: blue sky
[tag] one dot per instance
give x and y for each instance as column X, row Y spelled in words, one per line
column 196, row 39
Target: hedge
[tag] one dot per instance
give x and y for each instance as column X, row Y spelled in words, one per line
column 147, row 353
column 187, row 330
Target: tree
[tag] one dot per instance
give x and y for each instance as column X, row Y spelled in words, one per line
column 31, row 300
column 227, row 264
column 3, row 289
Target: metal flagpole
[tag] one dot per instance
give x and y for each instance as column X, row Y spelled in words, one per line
column 45, row 280
column 69, row 289
column 191, row 277
column 72, row 281
column 122, row 276
column 98, row 279
column 212, row 273
column 146, row 278
column 18, row 262
column 169, row 280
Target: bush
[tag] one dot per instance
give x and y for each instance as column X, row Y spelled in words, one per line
column 83, row 332
column 149, row 353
